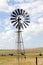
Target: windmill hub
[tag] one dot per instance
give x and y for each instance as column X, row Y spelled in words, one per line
column 20, row 18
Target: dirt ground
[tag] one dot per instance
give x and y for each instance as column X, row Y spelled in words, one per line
column 12, row 60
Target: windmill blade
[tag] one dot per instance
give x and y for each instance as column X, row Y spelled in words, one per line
column 21, row 11
column 13, row 15
column 17, row 26
column 21, row 25
column 18, row 11
column 14, row 23
column 27, row 18
column 27, row 15
column 12, row 18
column 26, row 23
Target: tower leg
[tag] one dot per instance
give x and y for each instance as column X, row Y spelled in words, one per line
column 20, row 47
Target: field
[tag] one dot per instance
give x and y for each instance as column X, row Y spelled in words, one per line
column 31, row 54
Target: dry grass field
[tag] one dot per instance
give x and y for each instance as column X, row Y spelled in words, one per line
column 31, row 55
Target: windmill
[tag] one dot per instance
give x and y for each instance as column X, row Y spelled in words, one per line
column 20, row 19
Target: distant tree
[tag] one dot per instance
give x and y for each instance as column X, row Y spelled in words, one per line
column 40, row 54
column 11, row 54
column 3, row 55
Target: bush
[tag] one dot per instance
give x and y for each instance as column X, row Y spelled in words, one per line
column 40, row 54
column 11, row 54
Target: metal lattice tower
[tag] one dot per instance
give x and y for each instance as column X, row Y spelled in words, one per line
column 20, row 19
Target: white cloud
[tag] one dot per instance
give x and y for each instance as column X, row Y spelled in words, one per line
column 37, row 7
column 34, row 7
column 3, row 2
column 4, row 7
column 40, row 20
column 7, row 35
column 7, row 39
column 19, row 1
column 8, row 27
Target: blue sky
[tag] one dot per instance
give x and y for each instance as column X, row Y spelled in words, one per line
column 33, row 35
